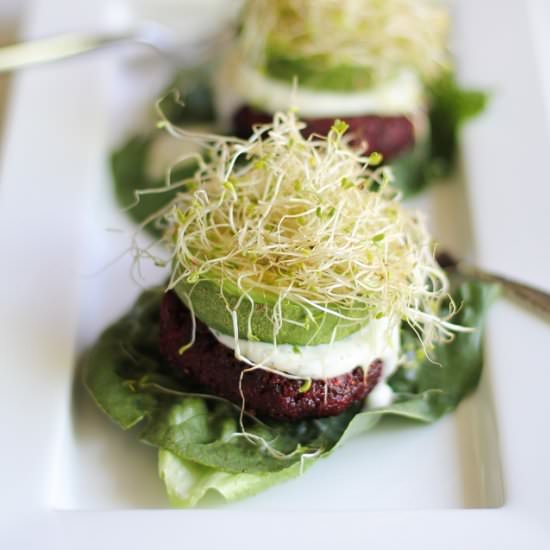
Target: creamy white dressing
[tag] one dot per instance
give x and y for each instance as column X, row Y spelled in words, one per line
column 400, row 96
column 378, row 340
column 381, row 395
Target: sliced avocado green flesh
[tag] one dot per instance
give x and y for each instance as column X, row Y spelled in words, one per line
column 314, row 72
column 302, row 325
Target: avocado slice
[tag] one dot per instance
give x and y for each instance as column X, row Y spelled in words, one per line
column 302, row 324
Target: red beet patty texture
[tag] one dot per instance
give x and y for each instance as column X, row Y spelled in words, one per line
column 214, row 367
column 388, row 135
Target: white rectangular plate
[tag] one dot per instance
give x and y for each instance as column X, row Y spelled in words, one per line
column 69, row 478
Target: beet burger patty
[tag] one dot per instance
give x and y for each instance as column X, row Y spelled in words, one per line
column 388, row 135
column 214, row 367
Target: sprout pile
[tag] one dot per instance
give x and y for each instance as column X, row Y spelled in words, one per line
column 382, row 36
column 310, row 220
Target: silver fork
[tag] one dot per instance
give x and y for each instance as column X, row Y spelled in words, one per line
column 531, row 296
column 150, row 34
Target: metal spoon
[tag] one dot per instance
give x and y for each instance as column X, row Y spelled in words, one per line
column 151, row 34
column 525, row 294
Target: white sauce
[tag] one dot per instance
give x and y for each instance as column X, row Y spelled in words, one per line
column 381, row 395
column 400, row 96
column 375, row 341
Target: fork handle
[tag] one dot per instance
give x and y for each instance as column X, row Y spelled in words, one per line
column 55, row 47
column 535, row 297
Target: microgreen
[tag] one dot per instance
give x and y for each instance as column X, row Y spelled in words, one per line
column 365, row 250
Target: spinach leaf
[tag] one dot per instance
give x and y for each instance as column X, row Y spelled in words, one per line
column 435, row 156
column 450, row 107
column 412, row 169
column 123, row 352
column 453, row 369
column 431, row 387
column 130, row 178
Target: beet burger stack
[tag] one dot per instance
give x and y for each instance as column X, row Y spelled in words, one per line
column 294, row 266
column 368, row 63
column 303, row 304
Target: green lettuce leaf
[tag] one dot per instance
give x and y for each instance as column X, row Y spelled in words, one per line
column 435, row 157
column 202, row 448
column 188, row 483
